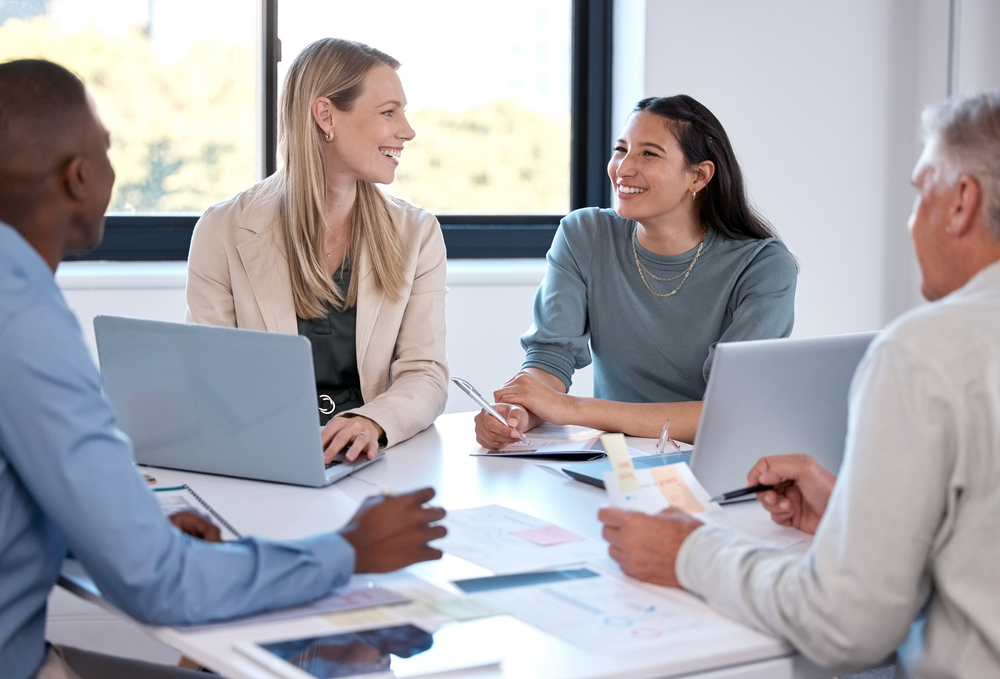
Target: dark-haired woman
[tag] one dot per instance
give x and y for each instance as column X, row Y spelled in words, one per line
column 681, row 263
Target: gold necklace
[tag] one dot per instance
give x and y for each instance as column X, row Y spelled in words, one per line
column 685, row 274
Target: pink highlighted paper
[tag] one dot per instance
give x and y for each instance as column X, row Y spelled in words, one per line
column 546, row 536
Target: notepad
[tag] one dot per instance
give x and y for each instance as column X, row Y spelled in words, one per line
column 184, row 499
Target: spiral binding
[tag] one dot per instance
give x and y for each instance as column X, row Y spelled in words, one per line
column 215, row 514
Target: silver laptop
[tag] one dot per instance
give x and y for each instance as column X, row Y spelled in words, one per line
column 217, row 400
column 771, row 397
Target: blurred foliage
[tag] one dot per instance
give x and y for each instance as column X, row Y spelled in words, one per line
column 184, row 130
column 498, row 158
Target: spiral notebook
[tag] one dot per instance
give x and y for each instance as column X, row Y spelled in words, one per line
column 184, row 499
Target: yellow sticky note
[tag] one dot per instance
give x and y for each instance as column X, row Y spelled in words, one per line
column 359, row 618
column 621, row 462
column 675, row 489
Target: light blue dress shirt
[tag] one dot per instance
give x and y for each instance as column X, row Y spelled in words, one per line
column 67, row 482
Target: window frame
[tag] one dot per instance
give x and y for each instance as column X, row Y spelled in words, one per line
column 167, row 237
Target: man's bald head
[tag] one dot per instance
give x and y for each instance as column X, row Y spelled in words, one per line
column 41, row 105
column 55, row 178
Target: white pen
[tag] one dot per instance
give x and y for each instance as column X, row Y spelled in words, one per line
column 481, row 402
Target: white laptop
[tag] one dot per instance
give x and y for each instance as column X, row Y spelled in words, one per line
column 771, row 397
column 217, row 400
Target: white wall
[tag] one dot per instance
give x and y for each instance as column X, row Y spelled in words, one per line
column 488, row 309
column 820, row 100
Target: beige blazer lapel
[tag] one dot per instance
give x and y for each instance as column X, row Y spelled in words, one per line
column 267, row 272
column 369, row 306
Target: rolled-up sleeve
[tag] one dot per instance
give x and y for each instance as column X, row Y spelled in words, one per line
column 558, row 341
column 762, row 303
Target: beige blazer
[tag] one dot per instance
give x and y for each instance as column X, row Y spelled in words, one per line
column 238, row 277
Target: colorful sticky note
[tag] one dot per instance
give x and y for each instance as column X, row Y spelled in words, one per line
column 675, row 489
column 547, row 535
column 621, row 462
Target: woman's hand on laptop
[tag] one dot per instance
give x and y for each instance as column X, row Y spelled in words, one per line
column 356, row 435
column 392, row 532
column 800, row 504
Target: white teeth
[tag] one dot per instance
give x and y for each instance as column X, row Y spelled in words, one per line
column 391, row 153
column 630, row 189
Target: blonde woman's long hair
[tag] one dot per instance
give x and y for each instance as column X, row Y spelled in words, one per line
column 335, row 69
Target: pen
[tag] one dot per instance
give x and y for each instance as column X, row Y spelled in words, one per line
column 752, row 490
column 481, row 402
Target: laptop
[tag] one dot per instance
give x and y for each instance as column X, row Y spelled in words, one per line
column 217, row 400
column 771, row 397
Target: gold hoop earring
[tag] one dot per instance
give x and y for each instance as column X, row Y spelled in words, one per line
column 329, row 135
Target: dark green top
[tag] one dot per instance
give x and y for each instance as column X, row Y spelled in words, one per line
column 335, row 357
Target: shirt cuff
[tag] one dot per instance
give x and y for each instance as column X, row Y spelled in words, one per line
column 695, row 551
column 335, row 554
column 552, row 362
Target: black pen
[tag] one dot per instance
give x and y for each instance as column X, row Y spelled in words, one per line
column 752, row 490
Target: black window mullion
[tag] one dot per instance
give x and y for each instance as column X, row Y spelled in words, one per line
column 591, row 103
column 270, row 52
column 167, row 237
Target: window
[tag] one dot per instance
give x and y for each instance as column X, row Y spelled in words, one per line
column 189, row 88
column 488, row 84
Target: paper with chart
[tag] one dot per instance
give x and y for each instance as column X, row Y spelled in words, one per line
column 506, row 541
column 654, row 489
column 609, row 613
column 657, row 488
column 551, row 439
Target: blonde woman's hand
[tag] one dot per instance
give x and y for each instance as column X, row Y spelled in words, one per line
column 545, row 402
column 354, row 436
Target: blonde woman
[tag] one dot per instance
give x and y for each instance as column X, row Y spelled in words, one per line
column 319, row 251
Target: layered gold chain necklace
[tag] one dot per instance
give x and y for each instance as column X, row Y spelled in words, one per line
column 685, row 273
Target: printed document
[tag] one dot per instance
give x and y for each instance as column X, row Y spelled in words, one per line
column 506, row 541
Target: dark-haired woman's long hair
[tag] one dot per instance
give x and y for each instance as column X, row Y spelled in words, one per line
column 725, row 205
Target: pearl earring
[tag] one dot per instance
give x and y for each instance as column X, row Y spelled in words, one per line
column 694, row 194
column 329, row 135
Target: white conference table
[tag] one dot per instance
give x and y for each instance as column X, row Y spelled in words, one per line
column 439, row 457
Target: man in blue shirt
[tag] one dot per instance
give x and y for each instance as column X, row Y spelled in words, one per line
column 67, row 480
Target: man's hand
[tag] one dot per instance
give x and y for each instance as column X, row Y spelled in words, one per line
column 389, row 533
column 493, row 435
column 197, row 526
column 646, row 546
column 800, row 504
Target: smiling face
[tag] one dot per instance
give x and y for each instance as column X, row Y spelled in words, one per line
column 649, row 172
column 368, row 139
